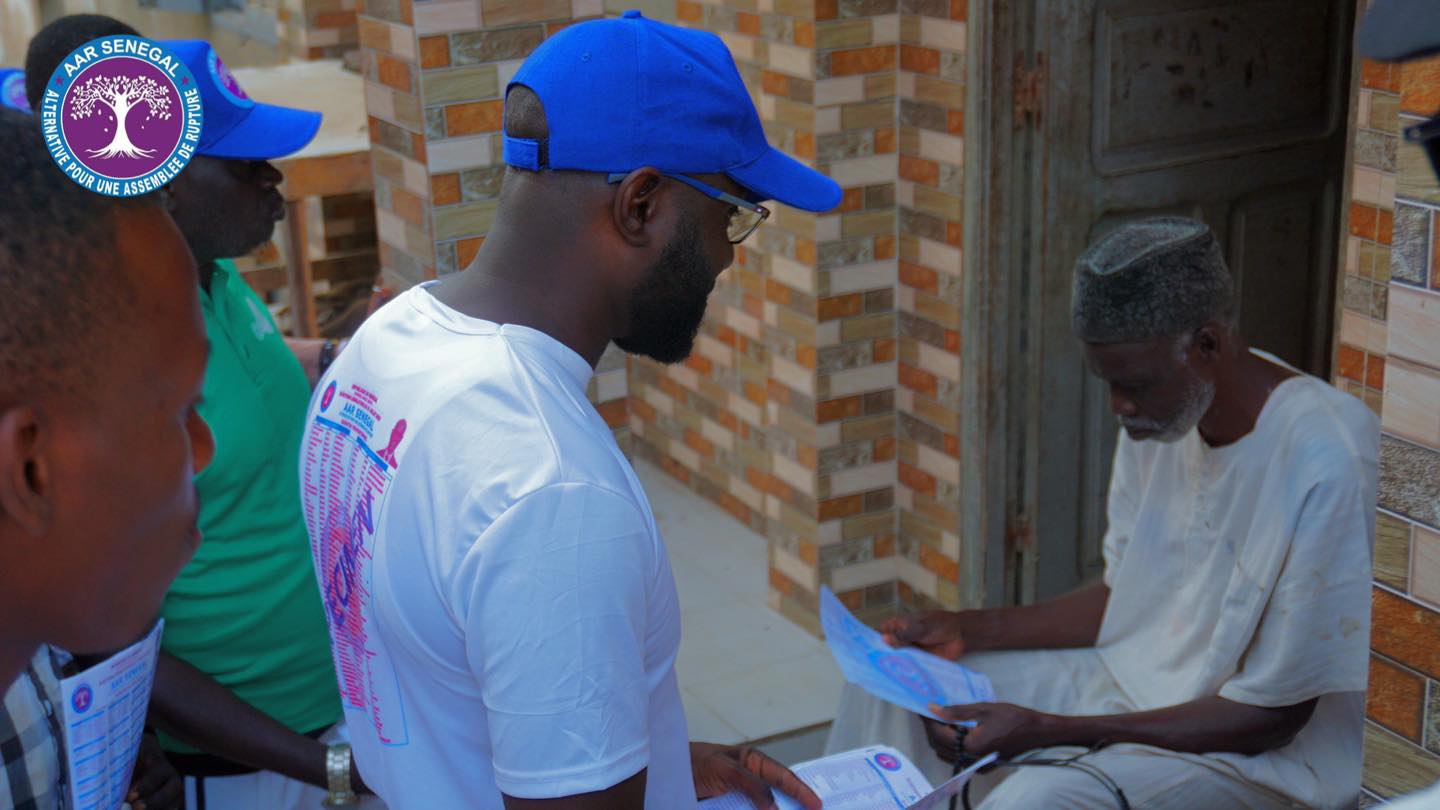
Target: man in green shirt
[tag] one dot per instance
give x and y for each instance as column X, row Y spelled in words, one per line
column 245, row 690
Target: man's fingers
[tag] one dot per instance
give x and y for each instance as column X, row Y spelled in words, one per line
column 147, row 779
column 170, row 796
column 959, row 714
column 780, row 777
column 738, row 777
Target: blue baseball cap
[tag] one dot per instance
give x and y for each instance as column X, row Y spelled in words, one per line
column 624, row 93
column 237, row 127
column 12, row 89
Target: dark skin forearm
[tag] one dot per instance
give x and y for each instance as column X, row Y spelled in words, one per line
column 1072, row 620
column 1202, row 726
column 1207, row 725
column 191, row 706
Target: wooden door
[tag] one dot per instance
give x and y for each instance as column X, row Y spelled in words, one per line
column 1231, row 111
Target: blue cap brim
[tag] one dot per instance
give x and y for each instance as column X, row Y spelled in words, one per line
column 265, row 133
column 777, row 176
column 1399, row 30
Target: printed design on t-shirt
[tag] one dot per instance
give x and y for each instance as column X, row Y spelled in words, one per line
column 397, row 435
column 344, row 484
column 260, row 325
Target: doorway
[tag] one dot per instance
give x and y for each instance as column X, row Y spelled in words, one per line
column 1230, row 111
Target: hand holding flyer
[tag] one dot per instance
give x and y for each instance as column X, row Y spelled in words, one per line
column 873, row 778
column 909, row 678
column 104, row 710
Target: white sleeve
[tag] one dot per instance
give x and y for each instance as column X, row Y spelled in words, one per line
column 555, row 635
column 1314, row 636
column 1119, row 507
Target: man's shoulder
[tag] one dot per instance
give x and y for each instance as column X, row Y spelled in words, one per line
column 1324, row 427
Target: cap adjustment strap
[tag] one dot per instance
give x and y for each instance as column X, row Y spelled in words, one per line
column 527, row 153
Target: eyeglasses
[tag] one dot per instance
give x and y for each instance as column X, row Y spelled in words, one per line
column 744, row 218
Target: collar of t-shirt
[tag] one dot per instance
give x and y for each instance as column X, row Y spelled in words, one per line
column 1197, row 447
column 453, row 320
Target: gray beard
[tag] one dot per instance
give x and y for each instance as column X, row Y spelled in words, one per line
column 1198, row 398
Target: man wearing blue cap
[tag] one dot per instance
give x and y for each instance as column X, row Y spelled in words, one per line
column 501, row 607
column 245, row 688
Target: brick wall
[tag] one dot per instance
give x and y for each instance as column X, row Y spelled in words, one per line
column 1388, row 353
column 821, row 406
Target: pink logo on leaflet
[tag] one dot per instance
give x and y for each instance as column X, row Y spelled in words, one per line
column 121, row 116
column 82, row 699
column 327, row 397
column 887, row 762
column 226, row 81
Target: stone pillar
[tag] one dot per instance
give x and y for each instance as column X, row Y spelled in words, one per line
column 931, row 87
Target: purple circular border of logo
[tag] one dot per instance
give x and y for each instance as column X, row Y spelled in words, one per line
column 57, row 96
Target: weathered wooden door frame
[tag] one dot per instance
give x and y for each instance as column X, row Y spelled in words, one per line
column 999, row 181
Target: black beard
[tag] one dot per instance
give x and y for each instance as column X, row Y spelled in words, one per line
column 668, row 304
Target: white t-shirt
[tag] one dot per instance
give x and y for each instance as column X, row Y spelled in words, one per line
column 502, row 611
column 1244, row 571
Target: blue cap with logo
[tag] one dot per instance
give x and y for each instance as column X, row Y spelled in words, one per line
column 236, row 126
column 624, row 93
column 12, row 89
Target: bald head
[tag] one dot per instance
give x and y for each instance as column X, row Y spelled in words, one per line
column 1151, row 278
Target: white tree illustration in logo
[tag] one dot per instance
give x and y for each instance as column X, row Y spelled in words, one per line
column 121, row 94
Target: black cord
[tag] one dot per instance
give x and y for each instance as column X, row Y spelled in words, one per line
column 960, row 757
column 1064, row 762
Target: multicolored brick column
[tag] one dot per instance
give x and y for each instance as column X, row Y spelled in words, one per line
column 821, row 406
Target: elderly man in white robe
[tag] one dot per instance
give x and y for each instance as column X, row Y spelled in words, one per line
column 1222, row 662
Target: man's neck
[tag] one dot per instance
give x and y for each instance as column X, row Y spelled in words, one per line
column 513, row 282
column 1240, row 396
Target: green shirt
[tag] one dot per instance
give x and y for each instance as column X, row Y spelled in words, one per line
column 246, row 610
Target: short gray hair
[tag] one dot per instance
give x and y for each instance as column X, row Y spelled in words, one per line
column 1151, row 278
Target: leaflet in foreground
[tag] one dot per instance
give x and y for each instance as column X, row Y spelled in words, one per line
column 874, row 778
column 909, row 678
column 104, row 715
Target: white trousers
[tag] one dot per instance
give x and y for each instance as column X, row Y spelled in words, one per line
column 1152, row 778
column 264, row 790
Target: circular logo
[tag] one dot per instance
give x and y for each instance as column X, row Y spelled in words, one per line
column 327, row 397
column 82, row 699
column 908, row 675
column 887, row 762
column 226, row 81
column 12, row 91
column 121, row 116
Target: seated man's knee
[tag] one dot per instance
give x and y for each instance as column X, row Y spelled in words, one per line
column 1049, row 788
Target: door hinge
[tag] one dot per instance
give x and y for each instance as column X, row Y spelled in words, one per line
column 1030, row 89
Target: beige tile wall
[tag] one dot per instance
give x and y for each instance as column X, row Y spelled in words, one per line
column 1388, row 353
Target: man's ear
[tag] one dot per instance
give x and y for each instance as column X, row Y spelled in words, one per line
column 1210, row 341
column 24, row 470
column 634, row 207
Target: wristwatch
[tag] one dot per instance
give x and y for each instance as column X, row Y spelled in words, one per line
column 337, row 776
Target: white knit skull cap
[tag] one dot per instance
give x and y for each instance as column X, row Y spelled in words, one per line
column 1150, row 278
